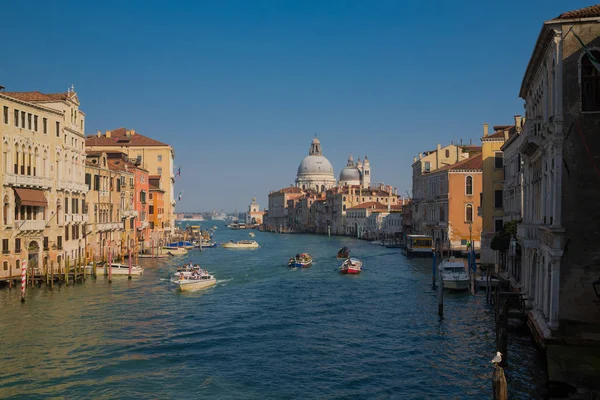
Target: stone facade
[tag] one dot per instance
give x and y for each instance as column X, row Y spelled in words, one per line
column 559, row 148
column 42, row 166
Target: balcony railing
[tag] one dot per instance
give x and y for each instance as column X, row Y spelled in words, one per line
column 108, row 226
column 528, row 231
column 30, row 225
column 26, row 180
column 128, row 213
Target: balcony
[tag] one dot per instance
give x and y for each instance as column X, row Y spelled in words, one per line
column 27, row 181
column 129, row 214
column 72, row 186
column 30, row 225
column 68, row 218
column 79, row 218
column 528, row 232
column 109, row 226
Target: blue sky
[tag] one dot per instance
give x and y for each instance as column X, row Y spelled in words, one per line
column 239, row 88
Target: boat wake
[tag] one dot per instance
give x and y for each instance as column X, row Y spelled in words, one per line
column 220, row 281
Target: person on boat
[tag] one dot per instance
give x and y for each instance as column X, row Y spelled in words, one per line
column 297, row 255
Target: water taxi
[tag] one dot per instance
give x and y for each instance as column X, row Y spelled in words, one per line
column 242, row 244
column 419, row 245
column 175, row 251
column 303, row 260
column 351, row 266
column 454, row 274
column 193, row 280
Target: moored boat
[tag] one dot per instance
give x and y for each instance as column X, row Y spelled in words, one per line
column 344, row 252
column 351, row 266
column 454, row 274
column 175, row 251
column 251, row 234
column 208, row 244
column 242, row 244
column 303, row 260
column 116, row 269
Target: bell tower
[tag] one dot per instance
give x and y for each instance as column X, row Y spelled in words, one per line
column 365, row 173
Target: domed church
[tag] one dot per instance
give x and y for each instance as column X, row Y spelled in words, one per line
column 315, row 171
column 356, row 174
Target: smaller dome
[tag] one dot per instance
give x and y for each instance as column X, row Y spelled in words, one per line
column 350, row 174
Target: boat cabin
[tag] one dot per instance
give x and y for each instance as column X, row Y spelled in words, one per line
column 419, row 245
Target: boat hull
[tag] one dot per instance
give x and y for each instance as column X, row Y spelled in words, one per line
column 301, row 264
column 185, row 285
column 116, row 269
column 349, row 271
column 176, row 251
column 253, row 245
column 456, row 284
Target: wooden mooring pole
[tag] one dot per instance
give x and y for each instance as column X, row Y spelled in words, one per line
column 440, row 294
column 433, row 268
column 499, row 384
column 52, row 274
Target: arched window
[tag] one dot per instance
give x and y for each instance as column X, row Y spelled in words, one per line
column 590, row 83
column 469, row 185
column 447, row 153
column 5, row 211
column 469, row 213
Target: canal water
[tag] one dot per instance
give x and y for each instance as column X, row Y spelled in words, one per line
column 263, row 332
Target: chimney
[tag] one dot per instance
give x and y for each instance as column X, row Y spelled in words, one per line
column 485, row 130
column 506, row 134
column 99, row 134
column 107, row 134
column 414, row 159
column 518, row 122
column 439, row 147
column 132, row 132
column 420, row 155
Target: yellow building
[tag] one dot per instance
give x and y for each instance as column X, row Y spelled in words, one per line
column 492, row 213
column 43, row 188
column 158, row 158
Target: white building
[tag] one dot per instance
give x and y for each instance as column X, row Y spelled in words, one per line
column 315, row 171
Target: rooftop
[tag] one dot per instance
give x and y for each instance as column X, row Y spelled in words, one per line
column 474, row 162
column 121, row 137
column 587, row 12
column 39, row 96
column 369, row 204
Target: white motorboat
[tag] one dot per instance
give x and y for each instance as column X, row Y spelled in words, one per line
column 251, row 234
column 175, row 251
column 242, row 244
column 454, row 274
column 192, row 277
column 116, row 269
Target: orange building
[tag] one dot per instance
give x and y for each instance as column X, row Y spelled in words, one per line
column 156, row 210
column 451, row 200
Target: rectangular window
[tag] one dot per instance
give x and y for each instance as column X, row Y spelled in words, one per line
column 498, row 160
column 83, row 207
column 17, row 245
column 4, row 246
column 96, row 182
column 159, row 170
column 57, row 129
column 88, row 181
column 35, row 126
column 427, row 166
column 74, row 232
column 497, row 198
column 6, row 115
column 23, row 113
column 498, row 225
column 46, row 243
column 66, row 233
column 159, row 158
column 66, row 207
column 150, row 209
column 45, row 125
column 59, row 242
column 131, row 223
column 28, row 121
column 16, row 117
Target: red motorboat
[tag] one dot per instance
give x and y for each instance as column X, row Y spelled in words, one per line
column 351, row 266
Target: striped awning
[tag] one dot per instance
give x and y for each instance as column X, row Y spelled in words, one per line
column 31, row 197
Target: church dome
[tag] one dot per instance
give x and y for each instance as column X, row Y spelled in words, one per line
column 315, row 171
column 350, row 175
column 315, row 165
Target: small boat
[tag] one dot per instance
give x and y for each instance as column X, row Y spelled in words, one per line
column 116, row 269
column 194, row 281
column 186, row 245
column 208, row 244
column 303, row 260
column 344, row 252
column 175, row 251
column 242, row 244
column 454, row 274
column 351, row 266
column 214, row 227
column 251, row 234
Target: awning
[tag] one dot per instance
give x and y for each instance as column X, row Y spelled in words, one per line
column 31, row 197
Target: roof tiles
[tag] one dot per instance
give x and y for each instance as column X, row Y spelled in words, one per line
column 121, row 137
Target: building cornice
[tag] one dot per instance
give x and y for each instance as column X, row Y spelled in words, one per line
column 32, row 105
